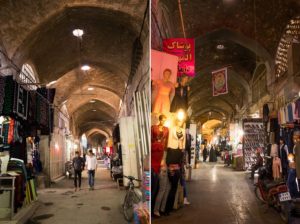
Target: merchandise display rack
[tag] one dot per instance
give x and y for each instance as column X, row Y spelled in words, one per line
column 9, row 188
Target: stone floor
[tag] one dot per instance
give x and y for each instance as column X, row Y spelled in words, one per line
column 219, row 195
column 61, row 205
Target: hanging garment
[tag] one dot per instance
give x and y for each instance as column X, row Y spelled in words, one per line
column 2, row 92
column 177, row 138
column 276, row 168
column 159, row 141
column 285, row 114
column 162, row 103
column 188, row 144
column 174, row 178
column 283, row 155
column 295, row 114
column 180, row 100
column 10, row 137
column 290, row 113
column 154, row 188
column 274, row 150
column 163, row 192
column 9, row 96
column 297, row 158
column 174, row 156
column 266, row 112
column 297, row 107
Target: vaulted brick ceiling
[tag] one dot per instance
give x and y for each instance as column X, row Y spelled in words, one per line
column 250, row 32
column 40, row 33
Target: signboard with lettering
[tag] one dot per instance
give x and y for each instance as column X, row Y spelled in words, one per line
column 184, row 49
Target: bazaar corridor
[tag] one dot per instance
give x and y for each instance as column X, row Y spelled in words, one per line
column 60, row 204
column 229, row 193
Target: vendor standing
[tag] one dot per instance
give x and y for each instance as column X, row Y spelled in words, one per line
column 296, row 152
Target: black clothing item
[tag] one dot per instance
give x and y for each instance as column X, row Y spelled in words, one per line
column 78, row 163
column 284, row 161
column 174, row 156
column 154, row 188
column 77, row 173
column 174, row 181
column 188, row 143
column 266, row 112
column 179, row 134
column 205, row 152
column 180, row 100
column 212, row 155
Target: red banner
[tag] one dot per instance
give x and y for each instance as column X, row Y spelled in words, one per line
column 219, row 82
column 184, row 49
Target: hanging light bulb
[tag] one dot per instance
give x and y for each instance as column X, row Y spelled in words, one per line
column 78, row 32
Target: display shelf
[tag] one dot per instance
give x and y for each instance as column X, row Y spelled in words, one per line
column 12, row 189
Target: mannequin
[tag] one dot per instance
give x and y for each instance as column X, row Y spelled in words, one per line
column 274, row 150
column 283, row 155
column 296, row 152
column 159, row 140
column 291, row 180
column 180, row 100
column 276, row 167
column 174, row 159
column 165, row 93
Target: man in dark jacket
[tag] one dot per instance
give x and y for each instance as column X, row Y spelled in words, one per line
column 259, row 163
column 78, row 164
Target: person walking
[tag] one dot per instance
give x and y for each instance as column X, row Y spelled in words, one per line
column 205, row 153
column 91, row 163
column 78, row 165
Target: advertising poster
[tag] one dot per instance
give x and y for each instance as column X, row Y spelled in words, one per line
column 219, row 82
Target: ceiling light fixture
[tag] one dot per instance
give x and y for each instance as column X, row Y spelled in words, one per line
column 85, row 67
column 220, row 47
column 78, row 32
column 90, row 89
column 94, row 110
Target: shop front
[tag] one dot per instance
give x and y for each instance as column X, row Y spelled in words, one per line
column 22, row 113
column 173, row 133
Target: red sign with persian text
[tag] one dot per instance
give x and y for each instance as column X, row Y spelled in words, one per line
column 184, row 49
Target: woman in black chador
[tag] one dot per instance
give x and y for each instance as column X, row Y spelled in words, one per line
column 205, row 152
column 180, row 100
column 212, row 155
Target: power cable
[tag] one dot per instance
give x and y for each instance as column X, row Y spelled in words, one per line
column 142, row 27
column 181, row 19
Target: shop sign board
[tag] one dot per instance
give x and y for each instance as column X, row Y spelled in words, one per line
column 184, row 49
column 161, row 61
column 219, row 82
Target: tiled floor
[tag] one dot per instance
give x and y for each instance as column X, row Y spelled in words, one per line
column 61, row 205
column 219, row 195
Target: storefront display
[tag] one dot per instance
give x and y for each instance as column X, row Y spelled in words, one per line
column 164, row 93
column 253, row 140
column 180, row 100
